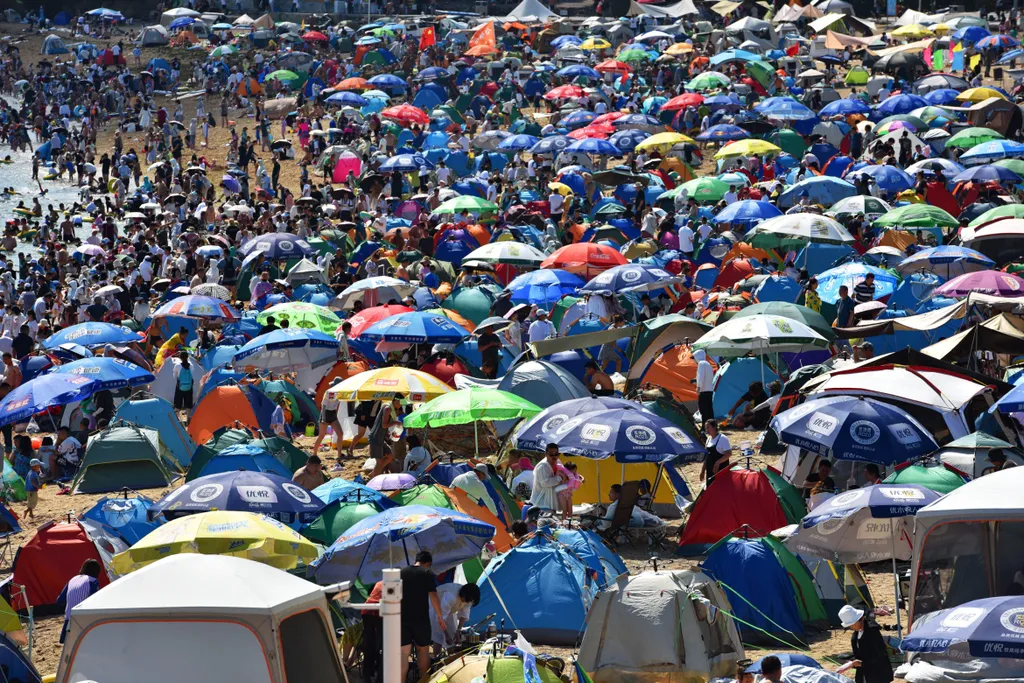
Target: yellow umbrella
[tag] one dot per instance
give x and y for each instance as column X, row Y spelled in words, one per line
column 679, row 49
column 560, row 188
column 595, row 44
column 941, row 29
column 912, row 32
column 979, row 95
column 386, row 383
column 747, row 148
column 663, row 142
column 221, row 532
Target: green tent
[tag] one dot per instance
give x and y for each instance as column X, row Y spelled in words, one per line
column 14, row 485
column 561, row 307
column 789, row 496
column 789, row 141
column 124, row 456
column 938, row 479
column 291, row 456
column 858, row 75
column 472, row 303
column 812, row 611
column 303, row 408
column 337, row 518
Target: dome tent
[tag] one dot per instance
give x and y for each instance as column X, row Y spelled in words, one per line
column 657, row 626
column 125, row 456
column 48, row 560
column 157, row 413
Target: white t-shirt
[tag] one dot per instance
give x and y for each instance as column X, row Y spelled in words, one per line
column 556, row 201
column 685, row 239
column 443, row 174
column 69, row 449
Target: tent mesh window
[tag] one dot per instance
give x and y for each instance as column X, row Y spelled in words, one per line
column 715, row 632
column 309, row 652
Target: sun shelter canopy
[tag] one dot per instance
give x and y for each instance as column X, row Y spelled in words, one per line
column 530, row 8
column 1000, row 334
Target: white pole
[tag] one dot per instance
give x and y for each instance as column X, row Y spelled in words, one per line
column 391, row 614
column 895, row 576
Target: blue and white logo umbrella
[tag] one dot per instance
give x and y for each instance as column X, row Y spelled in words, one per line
column 536, row 432
column 627, row 140
column 387, row 81
column 45, row 391
column 287, row 349
column 986, row 628
column 92, row 334
column 260, row 492
column 406, row 163
column 111, row 373
column 594, row 146
column 347, row 98
column 278, row 245
column 351, row 492
column 629, row 436
column 419, row 327
column 947, row 261
column 199, row 307
column 630, row 277
column 393, row 537
column 518, row 143
column 854, row 428
column 553, row 144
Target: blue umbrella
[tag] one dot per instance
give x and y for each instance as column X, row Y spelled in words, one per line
column 577, row 70
column 890, row 179
column 286, row 349
column 92, row 334
column 594, row 146
column 562, row 41
column 627, row 435
column 543, row 287
column 850, row 274
column 278, row 245
column 387, row 81
column 716, row 102
column 418, row 327
column 989, row 627
column 432, row 73
column 987, row 173
column 723, row 132
column 230, row 184
column 824, row 190
column 244, row 456
column 105, row 13
column 552, row 144
column 970, row 34
column 946, row 261
column 199, row 307
column 351, row 492
column 639, row 120
column 999, row 41
column 899, row 104
column 845, row 107
column 243, row 491
column 748, row 211
column 854, row 428
column 884, row 501
column 1010, row 56
column 182, row 22
column 518, row 143
column 393, row 537
column 111, row 373
column 533, row 436
column 1012, row 402
column 784, row 109
column 627, row 140
column 578, row 119
column 993, row 150
column 406, row 163
column 43, row 392
column 942, row 96
column 630, row 277
column 347, row 98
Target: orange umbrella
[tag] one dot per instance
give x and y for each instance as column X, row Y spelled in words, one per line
column 353, row 84
column 406, row 114
column 610, row 66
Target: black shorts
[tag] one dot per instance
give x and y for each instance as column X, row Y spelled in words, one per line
column 328, row 416
column 416, row 632
column 183, row 399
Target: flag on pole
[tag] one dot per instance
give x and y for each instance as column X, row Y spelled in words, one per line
column 975, row 61
column 958, row 57
column 427, row 38
column 938, row 60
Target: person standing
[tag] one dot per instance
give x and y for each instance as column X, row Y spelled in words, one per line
column 32, row 486
column 77, row 589
column 329, row 419
column 719, row 451
column 546, row 479
column 844, row 308
column 870, row 656
column 419, row 594
column 705, row 385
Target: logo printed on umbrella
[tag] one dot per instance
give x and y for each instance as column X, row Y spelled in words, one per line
column 782, row 325
column 206, row 493
column 1010, row 282
column 595, row 432
column 962, row 617
column 631, row 275
column 864, row 432
column 297, row 492
column 831, row 525
column 568, row 426
column 1013, row 619
column 844, row 499
column 900, row 494
column 822, row 423
column 554, row 422
column 640, row 435
column 904, row 433
column 256, row 494
column 874, row 530
column 679, row 436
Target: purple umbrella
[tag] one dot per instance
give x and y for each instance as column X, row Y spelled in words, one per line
column 392, row 482
column 985, row 282
column 230, row 184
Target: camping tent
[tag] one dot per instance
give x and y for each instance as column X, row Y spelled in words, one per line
column 153, row 36
column 48, row 560
column 530, row 10
column 170, row 15
column 291, row 456
column 156, row 413
column 655, row 627
column 838, row 585
column 53, row 45
column 15, row 665
column 736, row 499
column 226, row 405
column 599, row 475
column 550, row 606
column 164, row 385
column 598, row 555
column 125, row 456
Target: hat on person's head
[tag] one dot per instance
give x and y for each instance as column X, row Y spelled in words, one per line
column 850, row 615
column 523, row 464
column 35, row 462
column 481, row 468
column 866, row 345
column 542, row 313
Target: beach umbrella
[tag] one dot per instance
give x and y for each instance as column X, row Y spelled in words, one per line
column 347, row 99
column 889, row 179
column 339, row 489
column 418, row 327
column 723, row 132
column 795, row 230
column 371, row 291
column 946, row 261
column 286, row 349
column 90, row 250
column 283, row 75
column 277, row 246
column 611, row 66
column 594, row 146
column 43, row 392
column 899, row 104
column 916, row 216
column 543, row 287
column 709, row 80
column 705, row 189
column 564, row 92
column 631, row 277
column 395, row 481
column 92, row 334
column 970, row 137
column 747, row 148
column 387, row 81
column 242, row 491
column 663, row 142
column 760, row 334
column 866, row 205
column 785, row 109
column 993, row 150
column 393, row 538
column 405, row 163
column 629, row 436
column 370, row 316
column 850, row 274
column 595, row 43
column 341, row 515
column 845, row 107
column 585, row 259
column 807, row 316
column 111, row 373
column 987, row 173
column 221, row 532
column 1015, row 165
column 302, row 315
column 508, row 253
column 552, row 144
column 823, row 190
column 747, row 211
column 198, row 307
column 518, row 143
column 854, row 428
column 223, row 51
column 690, row 99
column 999, row 41
column 536, row 432
column 386, row 383
column 474, row 404
column 579, row 70
column 986, row 628
column 991, row 282
column 627, row 140
column 942, row 479
column 1004, row 211
column 477, row 205
column 406, row 114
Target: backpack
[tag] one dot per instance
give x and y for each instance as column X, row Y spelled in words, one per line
column 185, row 378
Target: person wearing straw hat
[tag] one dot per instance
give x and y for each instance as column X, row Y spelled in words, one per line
column 870, row 656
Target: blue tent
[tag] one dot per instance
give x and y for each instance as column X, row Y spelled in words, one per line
column 427, row 100
column 914, row 289
column 15, row 665
column 53, row 45
column 775, row 288
column 733, row 379
column 158, row 63
column 156, row 413
column 574, row 361
column 759, row 589
column 125, row 517
column 545, row 592
column 243, row 456
column 590, row 548
column 817, row 257
column 443, row 473
column 8, row 522
column 458, row 162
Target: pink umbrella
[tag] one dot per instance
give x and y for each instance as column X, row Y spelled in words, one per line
column 346, row 162
column 392, row 482
column 983, row 282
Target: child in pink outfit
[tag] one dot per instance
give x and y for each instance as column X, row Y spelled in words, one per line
column 570, row 482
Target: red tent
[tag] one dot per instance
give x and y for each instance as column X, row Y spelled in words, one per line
column 444, row 369
column 46, row 563
column 735, row 498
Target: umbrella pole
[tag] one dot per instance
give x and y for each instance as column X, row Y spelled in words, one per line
column 476, row 442
column 895, row 577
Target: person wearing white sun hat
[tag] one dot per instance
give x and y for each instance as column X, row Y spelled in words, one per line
column 870, row 657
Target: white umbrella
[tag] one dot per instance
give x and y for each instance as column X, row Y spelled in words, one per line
column 796, row 228
column 507, row 252
column 371, row 291
column 150, row 206
column 214, row 290
column 490, row 140
column 761, row 334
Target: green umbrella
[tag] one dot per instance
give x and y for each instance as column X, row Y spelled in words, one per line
column 633, row 56
column 301, row 314
column 337, row 518
column 709, row 80
column 938, row 479
column 14, row 485
column 224, row 50
column 916, row 216
column 1005, row 211
column 472, row 303
column 706, row 189
column 789, row 141
column 1015, row 165
column 471, row 405
column 282, row 75
column 814, row 320
column 913, row 120
column 467, row 202
column 969, row 137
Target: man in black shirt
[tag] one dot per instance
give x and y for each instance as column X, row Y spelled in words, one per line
column 270, row 325
column 97, row 310
column 23, row 344
column 820, row 481
column 419, row 590
column 490, row 350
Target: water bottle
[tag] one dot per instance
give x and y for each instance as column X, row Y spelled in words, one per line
column 492, row 630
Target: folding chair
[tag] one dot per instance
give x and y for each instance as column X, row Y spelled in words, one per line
column 619, row 523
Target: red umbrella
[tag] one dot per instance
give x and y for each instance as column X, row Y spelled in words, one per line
column 564, row 92
column 371, row 316
column 585, row 259
column 314, row 35
column 444, row 369
column 689, row 99
column 601, row 130
column 607, row 118
column 407, row 114
column 610, row 66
